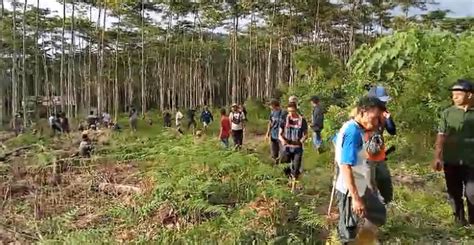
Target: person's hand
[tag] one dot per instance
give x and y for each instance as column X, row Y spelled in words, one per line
column 358, row 207
column 437, row 165
column 284, row 143
column 386, row 114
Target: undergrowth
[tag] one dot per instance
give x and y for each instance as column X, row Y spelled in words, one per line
column 198, row 193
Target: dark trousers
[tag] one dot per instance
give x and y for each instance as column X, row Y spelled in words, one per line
column 238, row 137
column 192, row 123
column 349, row 222
column 460, row 182
column 293, row 156
column 382, row 178
column 275, row 148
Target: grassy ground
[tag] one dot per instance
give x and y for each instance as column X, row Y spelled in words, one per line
column 194, row 192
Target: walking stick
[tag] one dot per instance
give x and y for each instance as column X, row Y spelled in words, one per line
column 333, row 191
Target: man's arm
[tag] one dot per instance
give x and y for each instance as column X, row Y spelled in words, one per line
column 268, row 128
column 390, row 125
column 281, row 138
column 440, row 141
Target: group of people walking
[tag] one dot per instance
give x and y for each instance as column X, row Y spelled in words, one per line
column 287, row 132
column 363, row 185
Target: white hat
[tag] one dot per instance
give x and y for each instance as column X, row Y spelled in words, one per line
column 293, row 98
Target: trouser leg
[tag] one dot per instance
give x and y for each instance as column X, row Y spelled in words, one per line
column 454, row 184
column 275, row 148
column 296, row 162
column 384, row 181
column 469, row 189
column 347, row 224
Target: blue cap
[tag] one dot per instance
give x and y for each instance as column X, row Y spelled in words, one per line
column 380, row 93
column 463, row 85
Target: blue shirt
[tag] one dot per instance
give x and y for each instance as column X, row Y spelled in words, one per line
column 350, row 151
column 206, row 116
column 275, row 120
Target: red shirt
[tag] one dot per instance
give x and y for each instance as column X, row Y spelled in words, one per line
column 225, row 127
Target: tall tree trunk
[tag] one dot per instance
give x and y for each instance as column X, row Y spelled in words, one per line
column 102, row 54
column 71, row 94
column 23, row 79
column 250, row 78
column 130, row 81
column 269, row 58
column 89, row 69
column 99, row 58
column 280, row 60
column 317, row 24
column 2, row 75
column 47, row 82
column 116, row 87
column 234, row 56
column 14, row 63
column 142, row 69
column 37, row 59
column 63, row 53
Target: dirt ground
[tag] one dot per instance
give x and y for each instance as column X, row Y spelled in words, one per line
column 32, row 193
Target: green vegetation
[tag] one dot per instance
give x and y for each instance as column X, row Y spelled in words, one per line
column 196, row 192
column 170, row 189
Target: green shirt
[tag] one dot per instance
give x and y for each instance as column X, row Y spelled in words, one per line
column 458, row 127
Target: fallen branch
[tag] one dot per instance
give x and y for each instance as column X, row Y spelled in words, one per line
column 8, row 154
column 110, row 188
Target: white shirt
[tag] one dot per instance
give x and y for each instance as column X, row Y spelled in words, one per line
column 237, row 117
column 179, row 116
column 51, row 120
column 106, row 117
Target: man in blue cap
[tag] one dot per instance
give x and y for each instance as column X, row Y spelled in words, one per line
column 454, row 150
column 375, row 140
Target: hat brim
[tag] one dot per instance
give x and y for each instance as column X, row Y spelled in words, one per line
column 461, row 90
column 385, row 98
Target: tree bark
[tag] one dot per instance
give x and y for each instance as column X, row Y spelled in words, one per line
column 116, row 87
column 14, row 63
column 61, row 72
column 23, row 79
column 37, row 59
column 2, row 75
column 143, row 58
